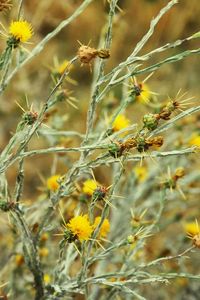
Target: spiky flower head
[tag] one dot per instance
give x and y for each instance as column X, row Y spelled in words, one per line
column 194, row 233
column 47, row 278
column 141, row 173
column 80, row 227
column 191, row 228
column 19, row 259
column 21, row 31
column 143, row 93
column 105, row 227
column 86, row 54
column 120, row 122
column 89, row 186
column 43, row 252
column 52, row 183
column 194, row 140
column 5, row 5
column 61, row 67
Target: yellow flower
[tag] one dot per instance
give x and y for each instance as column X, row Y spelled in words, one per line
column 194, row 140
column 105, row 227
column 120, row 122
column 141, row 173
column 19, row 259
column 21, row 30
column 44, row 252
column 145, row 94
column 182, row 282
column 89, row 186
column 191, row 228
column 62, row 66
column 47, row 278
column 44, row 237
column 52, row 183
column 80, row 227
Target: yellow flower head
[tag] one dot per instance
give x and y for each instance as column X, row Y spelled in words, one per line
column 62, row 66
column 194, row 140
column 120, row 122
column 191, row 228
column 141, row 173
column 47, row 278
column 21, row 30
column 105, row 227
column 19, row 259
column 80, row 227
column 52, row 183
column 43, row 252
column 89, row 186
column 44, row 237
column 145, row 94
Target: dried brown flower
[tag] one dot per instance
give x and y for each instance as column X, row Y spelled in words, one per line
column 5, row 5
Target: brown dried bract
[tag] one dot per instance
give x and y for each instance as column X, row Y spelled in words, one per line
column 5, row 5
column 196, row 240
column 86, row 54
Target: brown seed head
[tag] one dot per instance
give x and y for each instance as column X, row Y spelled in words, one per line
column 129, row 143
column 103, row 53
column 155, row 141
column 5, row 5
column 86, row 54
column 196, row 240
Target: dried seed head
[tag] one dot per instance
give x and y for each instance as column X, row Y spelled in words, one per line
column 99, row 193
column 196, row 240
column 86, row 54
column 103, row 53
column 142, row 145
column 168, row 109
column 117, row 149
column 5, row 5
column 171, row 183
column 155, row 141
column 179, row 173
column 129, row 143
column 165, row 114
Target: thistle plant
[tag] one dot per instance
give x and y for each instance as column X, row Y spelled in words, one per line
column 97, row 203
